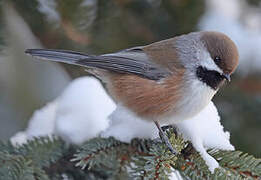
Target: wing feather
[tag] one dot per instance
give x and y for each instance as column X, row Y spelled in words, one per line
column 131, row 61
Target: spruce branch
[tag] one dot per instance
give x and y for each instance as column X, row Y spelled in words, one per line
column 7, row 147
column 25, row 162
column 157, row 164
column 233, row 165
column 14, row 167
column 42, row 150
column 149, row 159
column 97, row 151
column 107, row 158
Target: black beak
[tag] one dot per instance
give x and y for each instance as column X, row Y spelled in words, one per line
column 227, row 77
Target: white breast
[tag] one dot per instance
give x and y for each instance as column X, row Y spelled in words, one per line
column 196, row 96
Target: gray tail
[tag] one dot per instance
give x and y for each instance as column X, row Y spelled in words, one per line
column 69, row 57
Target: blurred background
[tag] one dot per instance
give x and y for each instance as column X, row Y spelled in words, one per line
column 103, row 26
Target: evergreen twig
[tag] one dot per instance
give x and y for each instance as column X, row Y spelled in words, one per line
column 107, row 158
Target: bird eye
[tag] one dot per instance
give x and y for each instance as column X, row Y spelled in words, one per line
column 217, row 59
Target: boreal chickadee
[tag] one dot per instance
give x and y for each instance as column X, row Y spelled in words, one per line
column 166, row 81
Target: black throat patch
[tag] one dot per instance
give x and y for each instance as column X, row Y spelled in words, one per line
column 212, row 78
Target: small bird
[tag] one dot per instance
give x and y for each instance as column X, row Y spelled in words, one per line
column 166, row 81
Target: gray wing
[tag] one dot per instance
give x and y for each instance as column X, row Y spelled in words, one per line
column 131, row 61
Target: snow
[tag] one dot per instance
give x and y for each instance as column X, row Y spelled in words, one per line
column 125, row 126
column 40, row 124
column 43, row 118
column 19, row 138
column 242, row 24
column 78, row 114
column 207, row 129
column 83, row 111
column 204, row 131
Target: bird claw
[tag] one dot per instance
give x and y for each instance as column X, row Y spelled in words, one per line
column 164, row 138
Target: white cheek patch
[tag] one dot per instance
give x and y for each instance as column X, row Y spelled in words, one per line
column 209, row 64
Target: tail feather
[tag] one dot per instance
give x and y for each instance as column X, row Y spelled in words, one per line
column 69, row 57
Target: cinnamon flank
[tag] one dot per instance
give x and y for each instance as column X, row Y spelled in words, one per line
column 147, row 98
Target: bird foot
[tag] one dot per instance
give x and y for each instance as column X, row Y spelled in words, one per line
column 173, row 128
column 165, row 139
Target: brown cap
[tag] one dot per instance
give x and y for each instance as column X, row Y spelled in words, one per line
column 222, row 50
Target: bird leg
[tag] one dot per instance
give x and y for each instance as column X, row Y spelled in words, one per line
column 164, row 138
column 174, row 129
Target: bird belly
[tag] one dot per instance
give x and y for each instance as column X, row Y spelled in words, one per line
column 169, row 103
column 196, row 97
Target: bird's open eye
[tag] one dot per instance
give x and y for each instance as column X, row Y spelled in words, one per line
column 217, row 59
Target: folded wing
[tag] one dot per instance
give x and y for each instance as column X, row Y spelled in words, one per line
column 131, row 61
